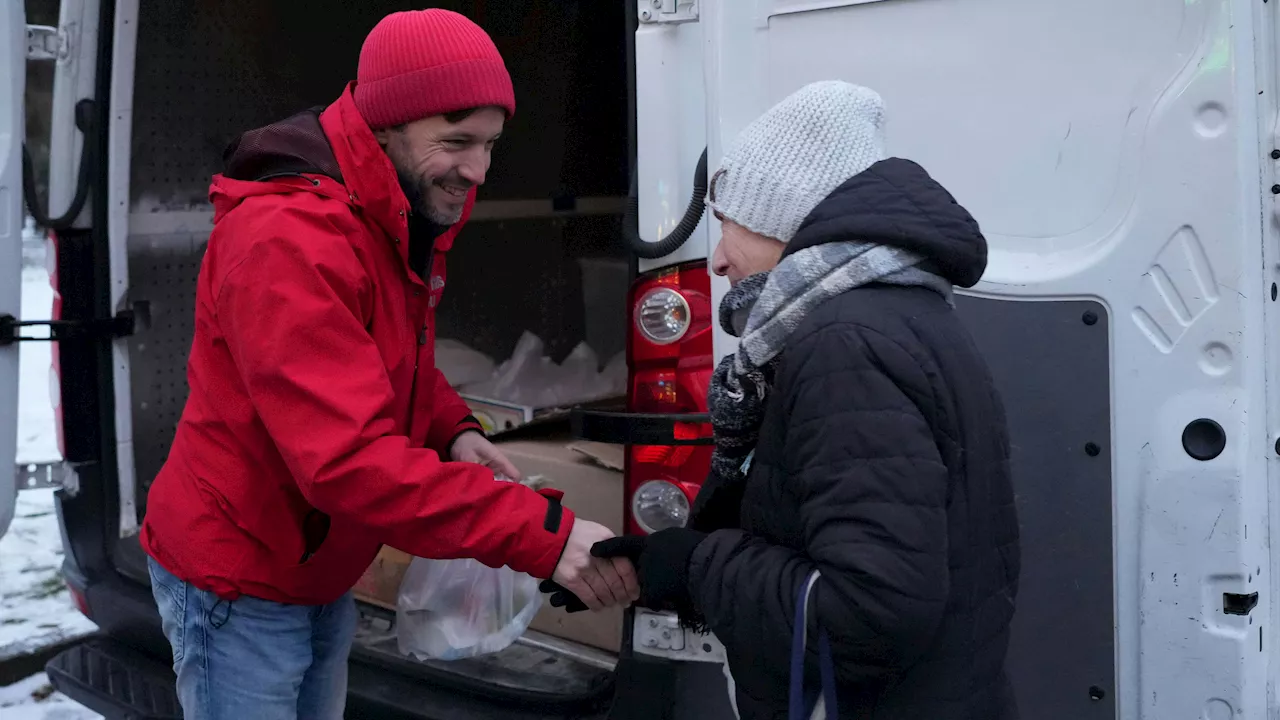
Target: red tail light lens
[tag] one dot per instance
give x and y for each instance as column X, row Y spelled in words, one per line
column 81, row 603
column 670, row 359
column 55, row 372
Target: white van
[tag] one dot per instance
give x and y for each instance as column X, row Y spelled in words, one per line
column 1120, row 156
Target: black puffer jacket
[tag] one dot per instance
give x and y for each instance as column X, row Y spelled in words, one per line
column 883, row 461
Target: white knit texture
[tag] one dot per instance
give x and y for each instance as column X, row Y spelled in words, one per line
column 792, row 157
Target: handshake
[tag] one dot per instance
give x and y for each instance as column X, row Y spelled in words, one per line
column 599, row 570
column 586, row 578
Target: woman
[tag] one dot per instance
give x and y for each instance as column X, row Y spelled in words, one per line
column 862, row 457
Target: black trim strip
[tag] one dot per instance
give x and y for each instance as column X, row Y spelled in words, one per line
column 555, row 514
column 622, row 428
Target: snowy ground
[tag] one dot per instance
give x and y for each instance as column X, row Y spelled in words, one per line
column 35, row 608
column 34, row 699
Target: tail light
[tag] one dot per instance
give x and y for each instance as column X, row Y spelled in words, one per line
column 78, row 598
column 670, row 359
column 55, row 369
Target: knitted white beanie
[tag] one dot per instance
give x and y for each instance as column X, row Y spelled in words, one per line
column 791, row 158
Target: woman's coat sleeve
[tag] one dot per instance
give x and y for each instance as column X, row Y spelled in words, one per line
column 872, row 492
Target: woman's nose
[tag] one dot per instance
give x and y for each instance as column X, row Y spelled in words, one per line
column 719, row 264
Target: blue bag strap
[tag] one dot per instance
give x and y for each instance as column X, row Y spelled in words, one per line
column 827, row 668
column 795, row 709
column 801, row 707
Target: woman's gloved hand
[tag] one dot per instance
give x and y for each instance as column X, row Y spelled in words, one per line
column 661, row 561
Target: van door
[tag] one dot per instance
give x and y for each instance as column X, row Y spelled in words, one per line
column 1111, row 152
column 13, row 27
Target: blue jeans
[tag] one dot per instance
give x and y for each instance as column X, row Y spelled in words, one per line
column 254, row 658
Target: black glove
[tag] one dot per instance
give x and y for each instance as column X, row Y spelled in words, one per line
column 661, row 561
column 662, row 564
column 561, row 597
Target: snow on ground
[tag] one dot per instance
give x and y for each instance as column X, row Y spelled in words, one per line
column 35, row 608
column 34, row 699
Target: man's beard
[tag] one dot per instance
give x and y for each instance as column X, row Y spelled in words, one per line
column 415, row 191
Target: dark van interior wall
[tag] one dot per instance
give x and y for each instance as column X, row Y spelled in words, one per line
column 211, row 69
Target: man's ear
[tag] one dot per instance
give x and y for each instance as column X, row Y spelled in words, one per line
column 383, row 136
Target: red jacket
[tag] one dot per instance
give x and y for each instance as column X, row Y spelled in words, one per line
column 317, row 419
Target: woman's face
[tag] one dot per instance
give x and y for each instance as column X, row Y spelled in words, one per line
column 742, row 253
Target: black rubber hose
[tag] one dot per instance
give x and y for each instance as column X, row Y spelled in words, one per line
column 682, row 232
column 84, row 122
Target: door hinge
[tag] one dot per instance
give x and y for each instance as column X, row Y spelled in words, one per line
column 668, row 11
column 36, row 476
column 122, row 325
column 47, row 43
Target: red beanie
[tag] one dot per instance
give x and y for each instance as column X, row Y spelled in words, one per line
column 421, row 63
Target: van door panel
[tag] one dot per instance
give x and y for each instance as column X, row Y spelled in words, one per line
column 13, row 74
column 1111, row 153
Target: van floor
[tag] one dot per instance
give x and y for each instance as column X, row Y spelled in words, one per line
column 535, row 664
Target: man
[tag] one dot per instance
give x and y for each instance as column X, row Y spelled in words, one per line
column 318, row 427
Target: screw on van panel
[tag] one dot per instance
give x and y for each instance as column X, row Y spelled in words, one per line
column 1275, row 189
column 1092, row 449
column 1096, row 693
column 1090, row 318
column 1275, row 154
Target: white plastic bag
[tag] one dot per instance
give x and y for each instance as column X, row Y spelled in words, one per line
column 453, row 609
column 529, row 377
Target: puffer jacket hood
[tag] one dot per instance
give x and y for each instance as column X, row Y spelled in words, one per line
column 897, row 203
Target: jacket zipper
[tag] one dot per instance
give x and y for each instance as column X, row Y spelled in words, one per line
column 422, row 340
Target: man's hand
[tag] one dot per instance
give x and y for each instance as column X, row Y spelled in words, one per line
column 473, row 447
column 663, row 562
column 598, row 582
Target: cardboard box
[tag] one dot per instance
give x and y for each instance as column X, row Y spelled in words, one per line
column 589, row 474
column 497, row 417
column 591, row 478
column 380, row 583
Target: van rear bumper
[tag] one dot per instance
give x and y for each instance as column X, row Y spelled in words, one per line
column 125, row 672
column 117, row 681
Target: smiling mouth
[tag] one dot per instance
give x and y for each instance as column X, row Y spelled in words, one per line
column 454, row 191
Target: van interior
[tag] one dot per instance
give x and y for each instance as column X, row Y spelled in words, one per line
column 544, row 252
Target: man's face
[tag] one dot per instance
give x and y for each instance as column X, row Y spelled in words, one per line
column 438, row 162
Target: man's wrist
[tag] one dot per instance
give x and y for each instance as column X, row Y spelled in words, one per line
column 448, row 449
column 567, row 520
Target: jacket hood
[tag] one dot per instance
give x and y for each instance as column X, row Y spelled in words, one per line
column 330, row 152
column 291, row 155
column 895, row 202
column 292, row 146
